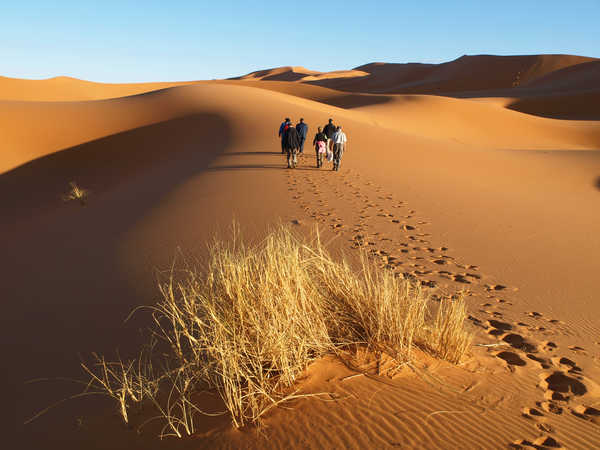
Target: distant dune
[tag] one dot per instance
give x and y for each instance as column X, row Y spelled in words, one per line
column 465, row 74
column 71, row 89
column 459, row 176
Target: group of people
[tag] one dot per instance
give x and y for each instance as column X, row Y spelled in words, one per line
column 330, row 142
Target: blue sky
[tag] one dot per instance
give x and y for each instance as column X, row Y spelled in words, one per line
column 125, row 41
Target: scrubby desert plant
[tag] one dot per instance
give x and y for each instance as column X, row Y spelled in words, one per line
column 76, row 193
column 249, row 324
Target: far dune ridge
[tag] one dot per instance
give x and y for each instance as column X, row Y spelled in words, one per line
column 461, row 179
column 465, row 74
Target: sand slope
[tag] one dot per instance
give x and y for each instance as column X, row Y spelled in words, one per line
column 71, row 89
column 458, row 193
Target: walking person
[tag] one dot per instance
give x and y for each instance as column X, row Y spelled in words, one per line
column 329, row 130
column 292, row 143
column 282, row 129
column 302, row 129
column 339, row 146
column 320, row 143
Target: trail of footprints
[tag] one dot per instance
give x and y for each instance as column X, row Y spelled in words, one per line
column 401, row 243
column 367, row 217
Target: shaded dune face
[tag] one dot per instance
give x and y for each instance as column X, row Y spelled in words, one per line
column 173, row 150
column 460, row 191
column 558, row 86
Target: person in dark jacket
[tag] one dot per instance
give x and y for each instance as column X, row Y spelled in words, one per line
column 329, row 130
column 292, row 143
column 282, row 128
column 320, row 137
column 302, row 129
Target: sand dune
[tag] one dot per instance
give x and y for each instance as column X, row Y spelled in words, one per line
column 71, row 89
column 544, row 85
column 465, row 74
column 455, row 192
column 581, row 76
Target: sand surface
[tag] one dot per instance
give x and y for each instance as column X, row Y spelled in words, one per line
column 453, row 175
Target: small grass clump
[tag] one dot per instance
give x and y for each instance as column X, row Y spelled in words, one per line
column 249, row 324
column 76, row 193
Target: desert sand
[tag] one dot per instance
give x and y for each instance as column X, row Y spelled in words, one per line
column 480, row 174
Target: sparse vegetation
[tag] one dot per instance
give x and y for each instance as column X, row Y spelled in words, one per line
column 76, row 193
column 248, row 325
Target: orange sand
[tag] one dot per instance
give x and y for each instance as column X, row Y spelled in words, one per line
column 444, row 171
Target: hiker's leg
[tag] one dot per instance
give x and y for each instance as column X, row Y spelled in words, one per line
column 302, row 145
column 340, row 154
column 282, row 147
column 289, row 158
column 335, row 156
column 295, row 152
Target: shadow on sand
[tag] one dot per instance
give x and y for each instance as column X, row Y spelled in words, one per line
column 67, row 293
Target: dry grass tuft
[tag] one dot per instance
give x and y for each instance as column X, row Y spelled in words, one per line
column 248, row 325
column 76, row 193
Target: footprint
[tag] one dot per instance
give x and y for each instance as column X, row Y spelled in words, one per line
column 511, row 358
column 517, row 341
column 459, row 278
column 560, row 385
column 569, row 364
column 531, row 413
column 587, row 413
column 495, row 287
column 544, row 363
column 546, row 441
column 545, row 427
column 549, row 346
column 539, row 443
column 500, row 325
column 550, row 407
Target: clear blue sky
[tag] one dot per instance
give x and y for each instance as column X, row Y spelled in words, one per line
column 185, row 40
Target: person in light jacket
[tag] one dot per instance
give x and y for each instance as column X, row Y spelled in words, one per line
column 339, row 146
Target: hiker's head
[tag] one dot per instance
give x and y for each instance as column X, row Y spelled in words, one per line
column 320, row 129
column 287, row 119
column 301, row 120
column 330, row 120
column 339, row 127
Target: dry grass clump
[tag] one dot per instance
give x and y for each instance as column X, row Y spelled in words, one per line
column 76, row 193
column 250, row 323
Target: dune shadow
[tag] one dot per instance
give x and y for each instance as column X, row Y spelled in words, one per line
column 178, row 148
column 252, row 153
column 351, row 101
column 68, row 287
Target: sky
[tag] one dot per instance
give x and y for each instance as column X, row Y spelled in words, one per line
column 127, row 41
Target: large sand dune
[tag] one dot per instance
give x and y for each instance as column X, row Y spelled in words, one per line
column 462, row 192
